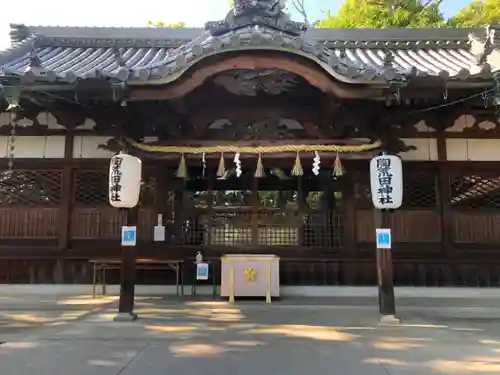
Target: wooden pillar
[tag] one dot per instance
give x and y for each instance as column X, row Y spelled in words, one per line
column 385, row 276
column 255, row 211
column 178, row 215
column 63, row 242
column 301, row 203
column 349, row 200
column 443, row 201
column 210, row 207
column 329, row 208
column 128, row 273
column 385, row 273
column 161, row 189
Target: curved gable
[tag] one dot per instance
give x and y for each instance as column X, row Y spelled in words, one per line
column 190, row 78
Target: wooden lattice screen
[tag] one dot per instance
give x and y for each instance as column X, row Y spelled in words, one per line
column 475, row 207
column 30, row 204
column 324, row 228
column 271, row 215
column 93, row 217
column 418, row 220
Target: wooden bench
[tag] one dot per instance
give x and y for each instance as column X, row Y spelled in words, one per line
column 102, row 265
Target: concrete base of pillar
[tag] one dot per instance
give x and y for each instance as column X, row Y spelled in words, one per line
column 125, row 317
column 389, row 319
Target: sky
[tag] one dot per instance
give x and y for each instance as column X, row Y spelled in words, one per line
column 118, row 13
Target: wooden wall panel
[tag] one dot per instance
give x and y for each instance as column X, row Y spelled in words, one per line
column 471, row 194
column 406, row 226
column 29, row 222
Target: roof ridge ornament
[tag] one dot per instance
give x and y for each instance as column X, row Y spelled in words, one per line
column 34, row 67
column 119, row 60
column 19, row 32
column 269, row 13
column 35, row 61
column 483, row 48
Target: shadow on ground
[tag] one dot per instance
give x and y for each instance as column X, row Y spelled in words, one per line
column 215, row 337
column 20, row 315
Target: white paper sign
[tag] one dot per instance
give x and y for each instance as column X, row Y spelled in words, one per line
column 386, row 180
column 159, row 233
column 384, row 238
column 129, row 236
column 202, row 271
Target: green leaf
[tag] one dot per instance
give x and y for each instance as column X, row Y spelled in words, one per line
column 478, row 13
column 384, row 14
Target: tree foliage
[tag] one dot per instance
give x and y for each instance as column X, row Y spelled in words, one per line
column 391, row 13
column 477, row 13
column 384, row 13
column 173, row 25
column 409, row 13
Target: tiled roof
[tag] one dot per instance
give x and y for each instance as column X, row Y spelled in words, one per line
column 150, row 55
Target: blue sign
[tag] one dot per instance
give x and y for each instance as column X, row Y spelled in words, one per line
column 201, row 271
column 129, row 236
column 384, row 238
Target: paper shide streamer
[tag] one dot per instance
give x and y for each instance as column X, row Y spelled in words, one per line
column 316, row 163
column 237, row 162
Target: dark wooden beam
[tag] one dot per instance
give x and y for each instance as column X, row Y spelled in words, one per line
column 256, row 113
column 331, row 118
column 406, row 132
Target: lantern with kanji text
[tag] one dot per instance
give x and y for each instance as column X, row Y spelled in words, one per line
column 124, row 180
column 386, row 180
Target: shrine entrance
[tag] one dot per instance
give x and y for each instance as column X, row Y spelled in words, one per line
column 258, row 85
column 276, row 213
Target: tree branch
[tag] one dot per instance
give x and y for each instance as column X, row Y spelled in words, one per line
column 398, row 4
column 300, row 7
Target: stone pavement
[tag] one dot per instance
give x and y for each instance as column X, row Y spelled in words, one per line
column 24, row 314
column 308, row 337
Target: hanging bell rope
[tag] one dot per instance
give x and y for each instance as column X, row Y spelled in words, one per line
column 338, row 168
column 259, row 171
column 297, row 167
column 182, row 169
column 221, row 171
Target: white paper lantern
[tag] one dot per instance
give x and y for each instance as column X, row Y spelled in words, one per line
column 124, row 180
column 386, row 180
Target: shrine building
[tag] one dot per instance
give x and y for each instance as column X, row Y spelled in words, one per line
column 255, row 135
